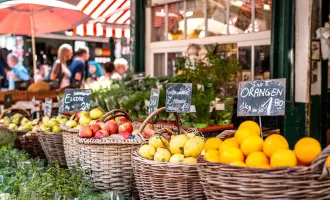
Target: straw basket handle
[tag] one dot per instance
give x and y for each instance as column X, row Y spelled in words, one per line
column 320, row 161
column 26, row 113
column 115, row 113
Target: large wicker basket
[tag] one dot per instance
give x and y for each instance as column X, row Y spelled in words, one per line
column 109, row 160
column 166, row 181
column 52, row 144
column 221, row 181
column 70, row 145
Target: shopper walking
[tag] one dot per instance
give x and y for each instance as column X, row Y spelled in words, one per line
column 17, row 73
column 94, row 71
column 60, row 75
column 78, row 66
column 109, row 69
column 120, row 69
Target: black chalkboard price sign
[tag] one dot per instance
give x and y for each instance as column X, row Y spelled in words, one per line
column 48, row 107
column 154, row 99
column 261, row 98
column 77, row 100
column 8, row 101
column 178, row 97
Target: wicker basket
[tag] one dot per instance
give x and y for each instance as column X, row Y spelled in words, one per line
column 109, row 160
column 166, row 181
column 52, row 144
column 222, row 181
column 70, row 145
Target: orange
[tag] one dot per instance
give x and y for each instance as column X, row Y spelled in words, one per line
column 252, row 144
column 243, row 133
column 251, row 125
column 230, row 142
column 307, row 149
column 327, row 161
column 212, row 155
column 256, row 159
column 263, row 166
column 283, row 158
column 274, row 142
column 230, row 155
column 212, row 143
column 238, row 164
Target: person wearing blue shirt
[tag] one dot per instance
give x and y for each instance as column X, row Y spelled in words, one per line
column 77, row 67
column 18, row 71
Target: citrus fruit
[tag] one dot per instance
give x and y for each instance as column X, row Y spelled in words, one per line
column 252, row 144
column 250, row 125
column 238, row 164
column 189, row 160
column 162, row 155
column 230, row 155
column 212, row 143
column 194, row 147
column 158, row 141
column 283, row 158
column 274, row 142
column 177, row 143
column 256, row 159
column 307, row 149
column 263, row 166
column 230, row 142
column 212, row 155
column 243, row 133
column 327, row 161
column 177, row 158
column 147, row 151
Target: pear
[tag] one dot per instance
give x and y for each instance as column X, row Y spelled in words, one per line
column 63, row 120
column 56, row 129
column 84, row 120
column 51, row 123
column 43, row 128
column 96, row 113
column 12, row 127
column 71, row 123
column 35, row 122
column 45, row 119
column 24, row 121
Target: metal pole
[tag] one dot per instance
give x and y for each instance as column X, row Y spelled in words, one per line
column 33, row 42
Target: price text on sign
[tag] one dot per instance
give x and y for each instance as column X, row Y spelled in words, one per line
column 154, row 99
column 178, row 97
column 77, row 99
column 261, row 98
column 48, row 107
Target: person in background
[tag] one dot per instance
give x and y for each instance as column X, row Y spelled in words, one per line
column 41, row 73
column 60, row 70
column 109, row 69
column 94, row 71
column 77, row 67
column 17, row 73
column 120, row 68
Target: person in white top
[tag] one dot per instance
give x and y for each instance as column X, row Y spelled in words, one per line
column 120, row 69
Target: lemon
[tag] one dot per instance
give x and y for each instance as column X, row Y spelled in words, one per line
column 191, row 135
column 162, row 155
column 327, row 161
column 212, row 155
column 307, row 149
column 231, row 142
column 238, row 164
column 283, row 158
column 250, row 125
column 177, row 143
column 194, row 147
column 189, row 160
column 147, row 151
column 243, row 133
column 177, row 158
column 212, row 143
column 252, row 144
column 256, row 159
column 158, row 141
column 230, row 155
column 273, row 143
column 263, row 166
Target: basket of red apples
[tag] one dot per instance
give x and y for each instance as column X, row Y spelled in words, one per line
column 105, row 150
column 70, row 131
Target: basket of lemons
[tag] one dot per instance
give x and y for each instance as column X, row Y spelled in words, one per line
column 241, row 164
column 166, row 166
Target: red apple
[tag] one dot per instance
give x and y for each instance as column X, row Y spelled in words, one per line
column 95, row 128
column 148, row 126
column 125, row 134
column 121, row 120
column 111, row 126
column 99, row 135
column 126, row 127
column 149, row 132
column 85, row 132
column 104, row 132
column 101, row 124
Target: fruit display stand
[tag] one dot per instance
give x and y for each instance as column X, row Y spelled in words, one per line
column 221, row 181
column 161, row 180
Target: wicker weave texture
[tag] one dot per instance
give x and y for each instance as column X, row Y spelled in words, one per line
column 70, row 146
column 32, row 146
column 52, row 144
column 222, row 181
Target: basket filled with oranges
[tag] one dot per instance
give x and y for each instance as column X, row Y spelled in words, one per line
column 241, row 164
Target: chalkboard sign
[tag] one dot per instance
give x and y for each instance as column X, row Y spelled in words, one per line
column 261, row 98
column 77, row 100
column 8, row 101
column 48, row 107
column 178, row 97
column 154, row 99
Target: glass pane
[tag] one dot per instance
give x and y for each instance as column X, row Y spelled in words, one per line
column 226, row 51
column 171, row 62
column 175, row 21
column 244, row 59
column 240, row 16
column 158, row 23
column 195, row 19
column 263, row 16
column 216, row 16
column 262, row 62
column 159, row 64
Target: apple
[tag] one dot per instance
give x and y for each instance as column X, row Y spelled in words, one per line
column 71, row 123
column 59, row 117
column 85, row 132
column 12, row 126
column 24, row 121
column 111, row 126
column 84, row 120
column 95, row 113
column 35, row 122
column 149, row 132
column 104, row 132
column 80, row 114
column 99, row 135
column 102, row 124
column 125, row 127
column 92, row 122
column 56, row 129
column 95, row 128
column 51, row 123
column 121, row 120
column 62, row 121
column 43, row 128
column 125, row 134
column 45, row 119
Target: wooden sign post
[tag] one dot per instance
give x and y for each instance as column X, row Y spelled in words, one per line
column 178, row 97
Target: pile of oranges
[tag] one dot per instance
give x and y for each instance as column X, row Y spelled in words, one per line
column 248, row 149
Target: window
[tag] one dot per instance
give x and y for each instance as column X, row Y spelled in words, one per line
column 159, row 66
column 176, row 21
column 195, row 19
column 216, row 18
column 158, row 23
column 262, row 62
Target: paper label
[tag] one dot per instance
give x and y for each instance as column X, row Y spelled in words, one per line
column 220, row 106
column 192, row 109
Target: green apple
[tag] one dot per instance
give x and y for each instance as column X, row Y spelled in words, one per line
column 45, row 119
column 56, row 129
column 51, row 123
column 71, row 123
column 95, row 113
column 24, row 121
column 63, row 121
column 12, row 127
column 59, row 117
column 29, row 125
column 84, row 120
column 43, row 128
